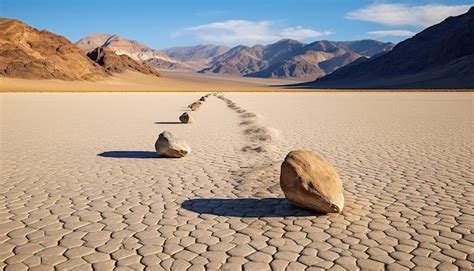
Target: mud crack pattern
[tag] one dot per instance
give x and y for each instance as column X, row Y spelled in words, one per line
column 67, row 203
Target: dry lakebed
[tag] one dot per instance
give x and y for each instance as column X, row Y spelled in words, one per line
column 81, row 186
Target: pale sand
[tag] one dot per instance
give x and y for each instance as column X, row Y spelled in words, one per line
column 132, row 81
column 80, row 186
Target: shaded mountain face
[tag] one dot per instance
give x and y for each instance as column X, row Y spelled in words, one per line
column 26, row 52
column 440, row 56
column 113, row 63
column 166, row 65
column 198, row 56
column 292, row 59
column 91, row 42
column 368, row 48
column 121, row 46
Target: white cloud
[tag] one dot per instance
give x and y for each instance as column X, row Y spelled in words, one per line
column 300, row 33
column 401, row 14
column 393, row 33
column 248, row 32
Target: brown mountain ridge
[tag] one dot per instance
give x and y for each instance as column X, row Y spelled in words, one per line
column 293, row 59
column 113, row 63
column 441, row 56
column 26, row 52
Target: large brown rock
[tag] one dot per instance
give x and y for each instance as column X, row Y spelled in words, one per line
column 185, row 118
column 311, row 182
column 168, row 145
column 195, row 106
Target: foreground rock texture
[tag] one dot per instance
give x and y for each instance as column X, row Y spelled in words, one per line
column 185, row 118
column 168, row 145
column 311, row 182
column 26, row 52
column 114, row 63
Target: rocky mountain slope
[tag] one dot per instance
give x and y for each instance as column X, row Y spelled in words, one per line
column 198, row 56
column 293, row 59
column 441, row 56
column 368, row 48
column 113, row 63
column 288, row 59
column 26, row 52
column 131, row 48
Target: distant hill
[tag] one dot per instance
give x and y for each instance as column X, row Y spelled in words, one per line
column 368, row 48
column 131, row 48
column 441, row 56
column 293, row 59
column 198, row 56
column 113, row 63
column 26, row 52
column 288, row 59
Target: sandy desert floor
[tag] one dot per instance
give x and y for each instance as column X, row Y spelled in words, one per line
column 80, row 186
column 173, row 81
column 132, row 81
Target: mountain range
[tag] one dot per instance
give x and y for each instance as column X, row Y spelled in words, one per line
column 26, row 52
column 131, row 48
column 197, row 57
column 441, row 56
column 289, row 59
column 293, row 59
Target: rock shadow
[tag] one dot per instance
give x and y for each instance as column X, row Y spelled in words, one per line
column 168, row 122
column 248, row 207
column 130, row 154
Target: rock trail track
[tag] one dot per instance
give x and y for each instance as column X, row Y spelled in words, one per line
column 81, row 189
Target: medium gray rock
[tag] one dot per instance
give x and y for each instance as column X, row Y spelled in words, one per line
column 185, row 118
column 169, row 146
column 195, row 106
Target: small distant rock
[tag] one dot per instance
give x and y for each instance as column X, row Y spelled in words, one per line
column 203, row 99
column 185, row 118
column 311, row 182
column 168, row 145
column 195, row 106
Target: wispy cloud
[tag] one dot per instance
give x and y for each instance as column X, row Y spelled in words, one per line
column 402, row 14
column 248, row 32
column 392, row 33
column 300, row 33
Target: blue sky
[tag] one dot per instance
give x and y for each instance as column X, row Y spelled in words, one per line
column 161, row 24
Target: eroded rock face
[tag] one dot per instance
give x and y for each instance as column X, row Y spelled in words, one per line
column 26, row 52
column 168, row 145
column 311, row 182
column 113, row 63
column 185, row 118
column 195, row 106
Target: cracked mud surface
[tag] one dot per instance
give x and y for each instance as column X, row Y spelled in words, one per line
column 81, row 188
